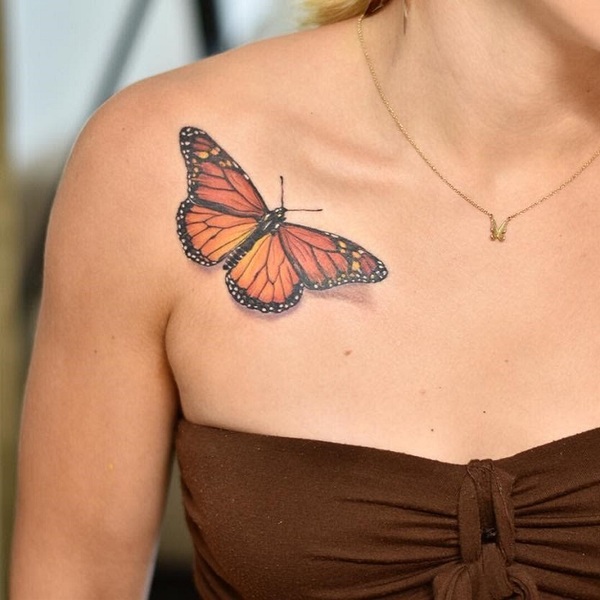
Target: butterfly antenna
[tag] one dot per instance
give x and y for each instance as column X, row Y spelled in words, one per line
column 296, row 209
column 281, row 182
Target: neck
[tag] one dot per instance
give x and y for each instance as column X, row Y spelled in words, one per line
column 490, row 86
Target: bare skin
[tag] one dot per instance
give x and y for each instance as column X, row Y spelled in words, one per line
column 468, row 349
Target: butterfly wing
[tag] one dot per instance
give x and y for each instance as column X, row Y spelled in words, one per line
column 223, row 206
column 324, row 260
column 271, row 276
column 264, row 278
column 208, row 235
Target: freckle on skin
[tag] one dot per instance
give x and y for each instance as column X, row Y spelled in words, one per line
column 432, row 429
column 347, row 352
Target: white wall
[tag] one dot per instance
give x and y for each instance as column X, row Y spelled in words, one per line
column 58, row 49
column 247, row 20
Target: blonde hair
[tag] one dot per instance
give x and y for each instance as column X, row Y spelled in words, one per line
column 322, row 12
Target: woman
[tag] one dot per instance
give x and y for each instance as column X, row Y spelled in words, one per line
column 329, row 440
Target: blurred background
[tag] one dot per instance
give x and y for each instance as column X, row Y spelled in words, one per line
column 59, row 60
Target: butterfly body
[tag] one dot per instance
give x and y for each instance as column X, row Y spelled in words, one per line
column 268, row 260
column 268, row 225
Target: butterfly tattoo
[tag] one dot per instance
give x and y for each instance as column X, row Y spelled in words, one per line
column 268, row 261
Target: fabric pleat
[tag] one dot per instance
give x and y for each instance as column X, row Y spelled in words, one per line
column 276, row 518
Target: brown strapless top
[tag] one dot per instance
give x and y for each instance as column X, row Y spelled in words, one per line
column 277, row 518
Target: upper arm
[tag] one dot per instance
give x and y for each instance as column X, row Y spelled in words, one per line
column 100, row 401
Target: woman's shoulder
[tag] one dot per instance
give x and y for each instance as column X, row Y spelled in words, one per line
column 255, row 90
column 259, row 83
column 270, row 98
column 259, row 101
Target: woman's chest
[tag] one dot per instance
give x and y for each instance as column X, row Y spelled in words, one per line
column 468, row 347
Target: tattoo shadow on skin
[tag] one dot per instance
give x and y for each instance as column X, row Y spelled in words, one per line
column 361, row 295
column 358, row 295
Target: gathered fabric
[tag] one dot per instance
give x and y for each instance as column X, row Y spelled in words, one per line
column 487, row 541
column 277, row 517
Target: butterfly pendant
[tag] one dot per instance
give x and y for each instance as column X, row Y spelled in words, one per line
column 268, row 261
column 498, row 232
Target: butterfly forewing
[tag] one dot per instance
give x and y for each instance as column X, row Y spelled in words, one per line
column 324, row 260
column 214, row 178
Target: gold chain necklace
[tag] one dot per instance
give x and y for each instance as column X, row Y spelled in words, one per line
column 497, row 232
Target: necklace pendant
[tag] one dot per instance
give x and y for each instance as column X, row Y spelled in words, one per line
column 498, row 232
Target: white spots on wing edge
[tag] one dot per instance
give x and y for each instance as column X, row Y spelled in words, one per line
column 240, row 296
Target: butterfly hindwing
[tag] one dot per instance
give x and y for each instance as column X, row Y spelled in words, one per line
column 324, row 260
column 264, row 278
column 208, row 235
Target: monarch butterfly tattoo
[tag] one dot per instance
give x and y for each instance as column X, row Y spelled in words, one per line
column 268, row 261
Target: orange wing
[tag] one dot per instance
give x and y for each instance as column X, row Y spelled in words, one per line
column 324, row 260
column 223, row 206
column 208, row 235
column 264, row 278
column 272, row 275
